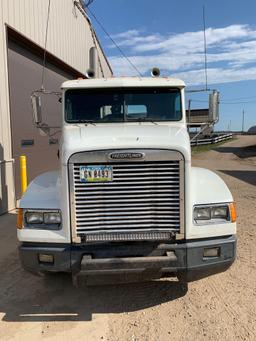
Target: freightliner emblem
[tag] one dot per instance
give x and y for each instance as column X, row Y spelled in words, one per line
column 124, row 156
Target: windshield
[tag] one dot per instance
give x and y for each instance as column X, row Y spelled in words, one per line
column 122, row 105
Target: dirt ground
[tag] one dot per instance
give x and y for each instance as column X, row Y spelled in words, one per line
column 221, row 307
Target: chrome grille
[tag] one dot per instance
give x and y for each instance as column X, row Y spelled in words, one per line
column 143, row 196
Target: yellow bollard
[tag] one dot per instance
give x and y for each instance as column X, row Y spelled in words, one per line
column 23, row 174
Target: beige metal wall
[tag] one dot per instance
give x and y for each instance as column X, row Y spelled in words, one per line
column 69, row 39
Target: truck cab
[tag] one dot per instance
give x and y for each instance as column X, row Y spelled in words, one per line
column 125, row 202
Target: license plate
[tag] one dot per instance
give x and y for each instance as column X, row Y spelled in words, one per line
column 96, row 173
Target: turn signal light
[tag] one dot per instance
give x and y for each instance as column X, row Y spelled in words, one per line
column 20, row 218
column 232, row 210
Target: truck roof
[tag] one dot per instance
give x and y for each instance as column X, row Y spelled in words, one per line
column 116, row 82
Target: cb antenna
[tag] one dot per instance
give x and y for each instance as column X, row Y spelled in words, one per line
column 205, row 52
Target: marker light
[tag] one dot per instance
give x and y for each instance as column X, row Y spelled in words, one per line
column 232, row 212
column 20, row 218
column 44, row 258
column 211, row 252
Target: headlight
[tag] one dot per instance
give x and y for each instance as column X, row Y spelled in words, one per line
column 34, row 217
column 202, row 213
column 218, row 213
column 52, row 218
column 49, row 220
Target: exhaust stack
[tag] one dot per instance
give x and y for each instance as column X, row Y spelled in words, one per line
column 93, row 63
column 155, row 72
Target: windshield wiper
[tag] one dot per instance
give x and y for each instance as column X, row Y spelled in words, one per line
column 86, row 122
column 89, row 122
column 144, row 119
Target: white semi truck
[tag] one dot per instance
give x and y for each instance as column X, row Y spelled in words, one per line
column 126, row 202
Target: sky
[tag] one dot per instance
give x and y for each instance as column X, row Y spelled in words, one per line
column 168, row 34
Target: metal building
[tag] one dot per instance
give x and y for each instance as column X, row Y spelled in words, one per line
column 70, row 36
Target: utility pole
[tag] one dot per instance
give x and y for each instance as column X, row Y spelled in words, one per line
column 189, row 110
column 243, row 122
column 229, row 126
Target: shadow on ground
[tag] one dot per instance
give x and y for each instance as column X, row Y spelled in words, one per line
column 27, row 298
column 241, row 152
column 244, row 175
column 55, row 299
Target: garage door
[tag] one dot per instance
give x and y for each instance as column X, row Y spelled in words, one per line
column 25, row 73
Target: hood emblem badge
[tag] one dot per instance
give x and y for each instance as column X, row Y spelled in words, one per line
column 126, row 156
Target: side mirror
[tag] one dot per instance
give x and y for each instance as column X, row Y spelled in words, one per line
column 37, row 109
column 214, row 100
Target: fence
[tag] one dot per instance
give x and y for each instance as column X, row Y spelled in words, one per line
column 211, row 140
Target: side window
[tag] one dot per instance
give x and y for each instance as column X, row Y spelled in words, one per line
column 69, row 109
column 177, row 105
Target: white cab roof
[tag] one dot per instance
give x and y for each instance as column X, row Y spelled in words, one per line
column 116, row 82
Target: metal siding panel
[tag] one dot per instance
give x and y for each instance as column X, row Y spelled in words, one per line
column 39, row 20
column 29, row 17
column 26, row 28
column 69, row 39
column 5, row 101
column 23, row 64
column 32, row 21
column 18, row 13
column 53, row 29
column 6, row 165
column 22, row 18
column 1, row 68
column 36, row 27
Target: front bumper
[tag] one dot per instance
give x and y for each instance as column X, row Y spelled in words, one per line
column 133, row 260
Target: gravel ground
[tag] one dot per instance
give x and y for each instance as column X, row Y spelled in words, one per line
column 219, row 307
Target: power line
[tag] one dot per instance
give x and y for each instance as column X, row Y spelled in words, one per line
column 224, row 102
column 200, row 101
column 87, row 2
column 82, row 8
column 242, row 102
column 243, row 121
column 239, row 98
column 113, row 41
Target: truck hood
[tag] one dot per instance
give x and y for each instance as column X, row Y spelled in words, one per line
column 124, row 136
